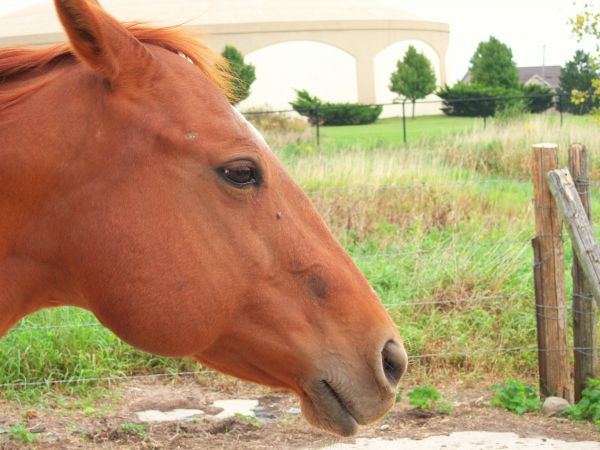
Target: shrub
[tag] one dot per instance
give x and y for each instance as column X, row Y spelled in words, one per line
column 539, row 97
column 327, row 113
column 427, row 397
column 473, row 100
column 588, row 408
column 515, row 396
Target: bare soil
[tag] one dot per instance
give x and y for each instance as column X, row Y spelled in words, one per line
column 110, row 422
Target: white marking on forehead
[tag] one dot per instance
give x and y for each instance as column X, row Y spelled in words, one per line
column 186, row 57
column 249, row 125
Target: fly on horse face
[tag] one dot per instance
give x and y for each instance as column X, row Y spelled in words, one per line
column 130, row 187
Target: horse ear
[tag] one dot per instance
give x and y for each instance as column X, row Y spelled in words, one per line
column 101, row 42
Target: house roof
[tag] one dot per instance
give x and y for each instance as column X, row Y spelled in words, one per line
column 549, row 74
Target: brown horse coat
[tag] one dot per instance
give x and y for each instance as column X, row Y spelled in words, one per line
column 130, row 187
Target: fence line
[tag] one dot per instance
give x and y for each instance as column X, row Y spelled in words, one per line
column 418, row 185
column 399, row 103
column 412, row 303
column 482, row 351
column 388, row 306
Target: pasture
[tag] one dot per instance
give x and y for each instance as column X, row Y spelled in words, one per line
column 441, row 228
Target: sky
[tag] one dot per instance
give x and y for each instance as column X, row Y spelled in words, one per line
column 530, row 27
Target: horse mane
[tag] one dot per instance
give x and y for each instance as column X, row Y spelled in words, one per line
column 18, row 61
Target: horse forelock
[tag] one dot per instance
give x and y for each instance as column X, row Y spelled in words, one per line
column 20, row 61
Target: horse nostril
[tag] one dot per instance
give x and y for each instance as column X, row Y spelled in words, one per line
column 394, row 360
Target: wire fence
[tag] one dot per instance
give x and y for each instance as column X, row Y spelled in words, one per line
column 476, row 105
column 502, row 300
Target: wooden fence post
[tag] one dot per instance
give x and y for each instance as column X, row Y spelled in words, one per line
column 584, row 308
column 551, row 311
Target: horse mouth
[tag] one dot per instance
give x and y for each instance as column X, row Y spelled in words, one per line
column 329, row 410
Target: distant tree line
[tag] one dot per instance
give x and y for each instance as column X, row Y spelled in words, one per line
column 494, row 88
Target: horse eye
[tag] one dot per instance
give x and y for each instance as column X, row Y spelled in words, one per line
column 240, row 175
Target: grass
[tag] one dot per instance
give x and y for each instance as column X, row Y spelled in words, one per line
column 389, row 132
column 446, row 219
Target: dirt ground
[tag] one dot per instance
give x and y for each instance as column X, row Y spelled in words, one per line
column 110, row 421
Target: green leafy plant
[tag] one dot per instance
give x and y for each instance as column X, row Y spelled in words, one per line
column 515, row 396
column 588, row 408
column 428, row 397
column 20, row 433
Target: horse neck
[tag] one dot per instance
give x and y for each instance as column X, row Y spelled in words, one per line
column 30, row 159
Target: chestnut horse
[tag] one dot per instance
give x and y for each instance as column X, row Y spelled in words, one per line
column 130, row 187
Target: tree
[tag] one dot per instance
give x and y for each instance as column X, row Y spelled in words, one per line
column 414, row 77
column 587, row 24
column 492, row 65
column 243, row 74
column 578, row 76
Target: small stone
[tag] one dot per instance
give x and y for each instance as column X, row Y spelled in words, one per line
column 384, row 427
column 553, row 406
column 264, row 415
column 234, row 407
column 168, row 416
column 37, row 430
column 3, row 430
column 213, row 410
column 294, row 411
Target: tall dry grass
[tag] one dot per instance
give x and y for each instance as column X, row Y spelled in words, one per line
column 504, row 147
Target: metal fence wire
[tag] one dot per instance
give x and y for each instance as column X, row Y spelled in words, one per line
column 480, row 106
column 544, row 311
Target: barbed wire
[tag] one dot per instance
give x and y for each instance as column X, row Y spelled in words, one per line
column 489, row 298
column 415, row 185
column 465, row 353
column 405, row 304
column 325, row 107
column 442, row 248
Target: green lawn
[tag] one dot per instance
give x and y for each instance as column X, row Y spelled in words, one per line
column 388, row 132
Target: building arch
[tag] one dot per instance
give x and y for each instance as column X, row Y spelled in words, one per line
column 325, row 70
column 360, row 28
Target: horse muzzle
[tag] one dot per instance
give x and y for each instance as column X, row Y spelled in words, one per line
column 347, row 394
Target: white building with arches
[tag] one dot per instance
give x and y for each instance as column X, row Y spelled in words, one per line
column 339, row 50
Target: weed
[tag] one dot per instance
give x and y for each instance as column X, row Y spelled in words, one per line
column 247, row 418
column 135, row 428
column 20, row 433
column 588, row 408
column 428, row 397
column 515, row 396
column 398, row 397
